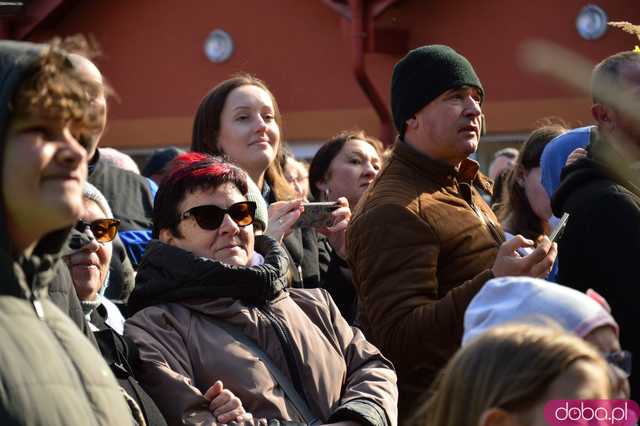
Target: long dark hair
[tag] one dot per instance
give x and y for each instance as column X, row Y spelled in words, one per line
column 206, row 129
column 515, row 213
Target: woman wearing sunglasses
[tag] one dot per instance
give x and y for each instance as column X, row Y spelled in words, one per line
column 211, row 303
column 240, row 118
column 89, row 254
column 90, row 251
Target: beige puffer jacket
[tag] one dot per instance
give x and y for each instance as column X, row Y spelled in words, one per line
column 183, row 352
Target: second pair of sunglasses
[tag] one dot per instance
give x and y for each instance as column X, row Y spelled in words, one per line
column 104, row 230
column 210, row 217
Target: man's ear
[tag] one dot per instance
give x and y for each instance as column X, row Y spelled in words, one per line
column 166, row 236
column 496, row 417
column 603, row 116
column 412, row 123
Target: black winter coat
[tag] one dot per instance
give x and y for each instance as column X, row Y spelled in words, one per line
column 317, row 266
column 314, row 264
column 601, row 243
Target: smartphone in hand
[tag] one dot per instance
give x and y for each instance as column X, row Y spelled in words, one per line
column 556, row 234
column 316, row 215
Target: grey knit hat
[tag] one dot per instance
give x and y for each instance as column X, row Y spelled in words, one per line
column 92, row 193
column 424, row 74
column 262, row 212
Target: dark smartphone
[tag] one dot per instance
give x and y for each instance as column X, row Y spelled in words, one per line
column 556, row 234
column 316, row 215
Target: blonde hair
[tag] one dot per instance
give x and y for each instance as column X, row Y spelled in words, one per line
column 508, row 367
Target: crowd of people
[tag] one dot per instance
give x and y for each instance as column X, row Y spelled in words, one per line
column 189, row 293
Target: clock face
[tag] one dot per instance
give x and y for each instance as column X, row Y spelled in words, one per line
column 591, row 22
column 218, row 46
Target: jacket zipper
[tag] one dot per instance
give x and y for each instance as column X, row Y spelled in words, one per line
column 286, row 341
column 39, row 310
column 299, row 269
column 483, row 218
column 37, row 306
column 33, row 298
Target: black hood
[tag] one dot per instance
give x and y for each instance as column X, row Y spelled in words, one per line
column 574, row 177
column 17, row 61
column 168, row 274
column 602, row 163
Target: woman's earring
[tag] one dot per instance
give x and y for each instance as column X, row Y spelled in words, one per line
column 325, row 194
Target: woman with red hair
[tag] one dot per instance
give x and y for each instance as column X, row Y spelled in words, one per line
column 211, row 303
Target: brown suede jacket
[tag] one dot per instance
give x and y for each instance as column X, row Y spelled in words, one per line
column 183, row 351
column 421, row 244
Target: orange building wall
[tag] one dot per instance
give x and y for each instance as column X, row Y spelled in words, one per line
column 153, row 57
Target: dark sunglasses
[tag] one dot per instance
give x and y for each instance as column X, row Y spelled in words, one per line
column 621, row 360
column 104, row 230
column 210, row 217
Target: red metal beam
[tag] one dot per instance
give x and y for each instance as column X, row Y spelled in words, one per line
column 35, row 12
column 362, row 14
column 380, row 6
column 340, row 7
column 359, row 32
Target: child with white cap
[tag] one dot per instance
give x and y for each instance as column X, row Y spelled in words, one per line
column 535, row 301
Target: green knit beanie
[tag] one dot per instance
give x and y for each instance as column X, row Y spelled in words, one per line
column 261, row 219
column 424, row 74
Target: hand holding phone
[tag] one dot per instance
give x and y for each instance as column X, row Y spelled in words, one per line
column 317, row 215
column 554, row 237
column 537, row 263
column 282, row 217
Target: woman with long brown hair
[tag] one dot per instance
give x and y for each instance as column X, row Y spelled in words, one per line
column 345, row 166
column 526, row 208
column 240, row 119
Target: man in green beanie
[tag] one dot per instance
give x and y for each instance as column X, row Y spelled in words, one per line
column 422, row 242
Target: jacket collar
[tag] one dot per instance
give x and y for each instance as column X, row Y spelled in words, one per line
column 440, row 172
column 168, row 274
